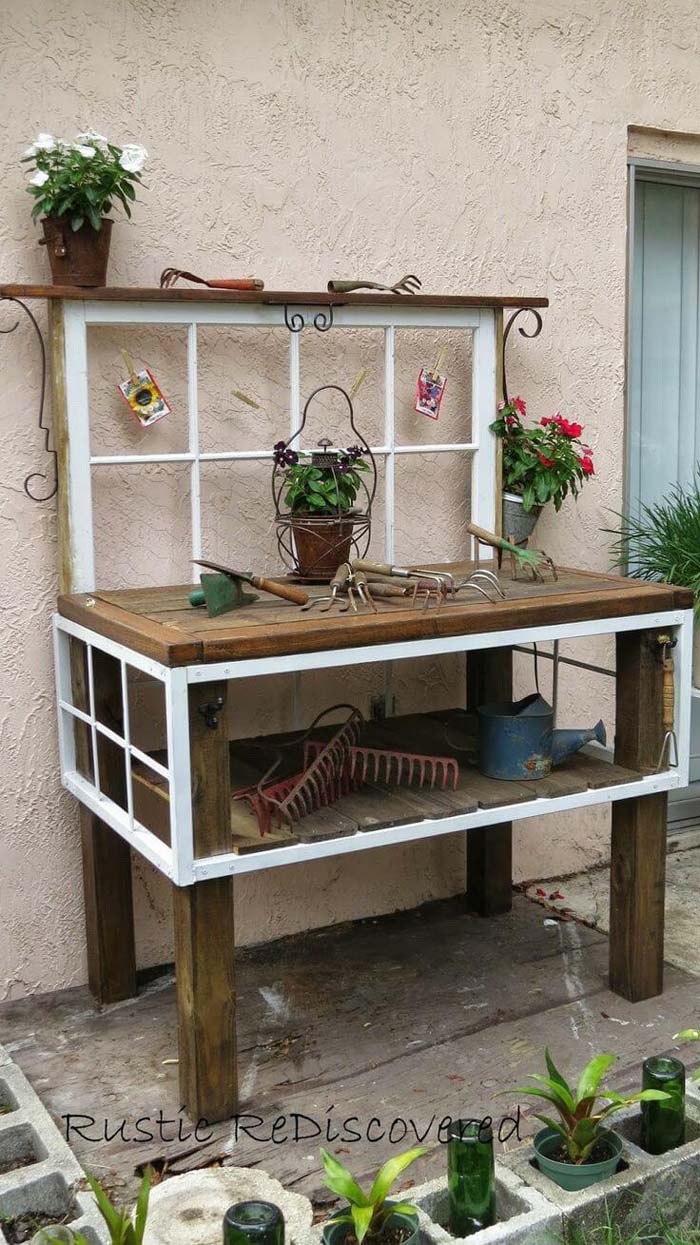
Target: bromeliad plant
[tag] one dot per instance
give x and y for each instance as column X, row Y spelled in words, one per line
column 81, row 181
column 544, row 462
column 581, row 1121
column 368, row 1214
column 320, row 490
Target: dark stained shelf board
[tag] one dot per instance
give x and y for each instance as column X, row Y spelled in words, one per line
column 379, row 806
column 159, row 622
column 276, row 298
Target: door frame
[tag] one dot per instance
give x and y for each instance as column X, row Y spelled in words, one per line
column 683, row 814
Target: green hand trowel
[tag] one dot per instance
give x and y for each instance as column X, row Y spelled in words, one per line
column 220, row 594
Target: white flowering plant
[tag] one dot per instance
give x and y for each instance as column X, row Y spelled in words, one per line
column 81, row 181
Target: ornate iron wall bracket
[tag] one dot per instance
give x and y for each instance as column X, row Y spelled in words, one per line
column 37, row 475
column 295, row 322
column 523, row 332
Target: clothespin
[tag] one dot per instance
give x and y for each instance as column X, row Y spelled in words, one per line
column 358, row 381
column 129, row 366
column 442, row 355
column 238, row 393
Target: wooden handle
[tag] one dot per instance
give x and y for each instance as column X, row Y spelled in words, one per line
column 380, row 588
column 226, row 283
column 489, row 538
column 378, row 568
column 346, row 287
column 341, row 576
column 286, row 591
column 668, row 695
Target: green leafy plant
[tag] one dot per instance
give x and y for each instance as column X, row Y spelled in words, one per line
column 122, row 1231
column 83, row 180
column 320, row 490
column 580, row 1123
column 689, row 1035
column 543, row 462
column 662, row 542
column 368, row 1213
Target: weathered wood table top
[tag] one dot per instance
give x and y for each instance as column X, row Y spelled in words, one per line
column 160, row 623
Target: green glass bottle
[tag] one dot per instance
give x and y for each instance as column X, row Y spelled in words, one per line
column 254, row 1223
column 663, row 1123
column 471, row 1177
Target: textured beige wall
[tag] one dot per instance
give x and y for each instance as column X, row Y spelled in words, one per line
column 481, row 145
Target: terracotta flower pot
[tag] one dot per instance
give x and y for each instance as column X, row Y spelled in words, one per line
column 321, row 544
column 80, row 257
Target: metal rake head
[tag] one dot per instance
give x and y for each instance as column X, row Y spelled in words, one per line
column 410, row 284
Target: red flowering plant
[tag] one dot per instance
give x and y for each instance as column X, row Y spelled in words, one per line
column 544, row 462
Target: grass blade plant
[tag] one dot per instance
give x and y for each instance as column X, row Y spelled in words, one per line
column 662, row 542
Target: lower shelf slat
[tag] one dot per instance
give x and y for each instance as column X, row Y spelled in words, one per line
column 377, row 806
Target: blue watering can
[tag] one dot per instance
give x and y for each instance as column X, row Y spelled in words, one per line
column 517, row 739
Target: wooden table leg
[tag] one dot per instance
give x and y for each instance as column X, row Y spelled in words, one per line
column 489, row 848
column 109, row 912
column 204, row 931
column 639, row 826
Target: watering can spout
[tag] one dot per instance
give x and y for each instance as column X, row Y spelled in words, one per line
column 566, row 743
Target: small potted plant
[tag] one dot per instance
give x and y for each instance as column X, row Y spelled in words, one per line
column 371, row 1216
column 577, row 1150
column 320, row 491
column 662, row 542
column 75, row 185
column 541, row 463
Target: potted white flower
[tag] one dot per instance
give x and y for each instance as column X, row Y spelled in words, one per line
column 75, row 185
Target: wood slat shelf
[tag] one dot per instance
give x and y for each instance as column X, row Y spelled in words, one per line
column 278, row 298
column 159, row 622
column 381, row 805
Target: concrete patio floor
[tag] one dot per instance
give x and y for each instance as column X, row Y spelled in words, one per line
column 586, row 896
column 410, row 1017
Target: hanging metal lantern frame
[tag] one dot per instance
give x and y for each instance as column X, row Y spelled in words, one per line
column 311, row 545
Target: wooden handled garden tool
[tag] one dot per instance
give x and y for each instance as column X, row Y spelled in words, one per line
column 218, row 601
column 410, row 284
column 668, row 696
column 169, row 277
column 337, row 584
column 534, row 561
column 426, row 583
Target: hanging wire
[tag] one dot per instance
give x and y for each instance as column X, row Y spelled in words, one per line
column 37, row 475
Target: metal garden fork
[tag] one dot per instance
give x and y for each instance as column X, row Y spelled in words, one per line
column 339, row 581
column 410, row 284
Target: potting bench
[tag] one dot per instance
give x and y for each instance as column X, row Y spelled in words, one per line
column 174, row 807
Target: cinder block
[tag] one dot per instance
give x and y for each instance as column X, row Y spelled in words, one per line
column 524, row 1217
column 47, row 1178
column 633, row 1196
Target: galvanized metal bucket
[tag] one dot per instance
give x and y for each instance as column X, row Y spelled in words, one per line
column 515, row 739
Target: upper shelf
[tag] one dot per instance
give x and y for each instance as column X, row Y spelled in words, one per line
column 280, row 298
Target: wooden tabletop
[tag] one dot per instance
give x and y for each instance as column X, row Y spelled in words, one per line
column 281, row 298
column 160, row 623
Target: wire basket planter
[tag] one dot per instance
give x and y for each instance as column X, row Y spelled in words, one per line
column 323, row 499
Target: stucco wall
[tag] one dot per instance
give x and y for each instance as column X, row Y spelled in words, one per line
column 480, row 145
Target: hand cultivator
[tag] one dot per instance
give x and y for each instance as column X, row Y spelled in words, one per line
column 423, row 585
column 532, row 561
column 334, row 768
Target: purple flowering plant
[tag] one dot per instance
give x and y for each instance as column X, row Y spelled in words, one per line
column 320, row 490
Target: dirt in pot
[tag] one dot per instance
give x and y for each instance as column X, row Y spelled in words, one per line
column 390, row 1236
column 22, row 1229
column 600, row 1153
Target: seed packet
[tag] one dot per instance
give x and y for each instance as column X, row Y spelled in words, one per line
column 429, row 391
column 143, row 396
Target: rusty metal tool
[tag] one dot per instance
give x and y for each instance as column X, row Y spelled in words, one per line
column 410, row 284
column 170, row 276
column 358, row 583
column 484, row 582
column 325, row 776
column 427, row 584
column 393, row 765
column 533, row 561
column 287, row 592
column 670, row 743
column 337, row 584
